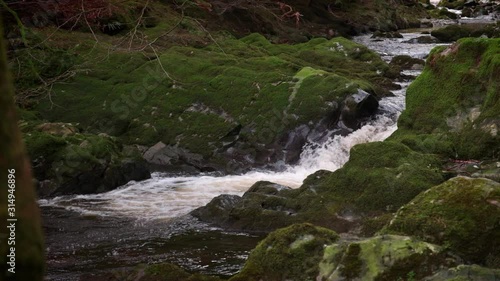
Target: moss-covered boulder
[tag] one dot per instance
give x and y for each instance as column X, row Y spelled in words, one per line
column 66, row 161
column 379, row 176
column 452, row 33
column 387, row 257
column 455, row 102
column 461, row 214
column 304, row 252
column 265, row 206
column 291, row 253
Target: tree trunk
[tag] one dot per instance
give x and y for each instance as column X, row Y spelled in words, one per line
column 27, row 235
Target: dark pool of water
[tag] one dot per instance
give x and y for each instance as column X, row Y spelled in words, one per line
column 79, row 245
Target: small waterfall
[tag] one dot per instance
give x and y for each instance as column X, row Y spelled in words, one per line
column 167, row 197
column 164, row 198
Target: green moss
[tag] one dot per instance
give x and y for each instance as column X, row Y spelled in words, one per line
column 460, row 214
column 454, row 101
column 267, row 88
column 43, row 144
column 381, row 176
column 41, row 64
column 291, row 253
column 381, row 258
column 351, row 264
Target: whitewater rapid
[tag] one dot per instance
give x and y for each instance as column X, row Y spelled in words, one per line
column 164, row 197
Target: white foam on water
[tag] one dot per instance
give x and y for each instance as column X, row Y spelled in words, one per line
column 390, row 47
column 163, row 197
column 167, row 197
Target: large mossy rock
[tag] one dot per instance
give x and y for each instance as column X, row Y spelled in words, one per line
column 378, row 178
column 303, row 252
column 265, row 206
column 380, row 258
column 66, row 161
column 234, row 103
column 463, row 214
column 452, row 33
column 291, row 253
column 455, row 102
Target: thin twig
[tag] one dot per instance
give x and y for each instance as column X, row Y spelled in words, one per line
column 166, row 33
column 88, row 24
column 161, row 65
column 210, row 35
column 139, row 20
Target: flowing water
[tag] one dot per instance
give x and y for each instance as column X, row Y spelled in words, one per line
column 164, row 197
column 146, row 221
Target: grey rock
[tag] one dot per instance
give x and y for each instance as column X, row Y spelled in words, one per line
column 356, row 107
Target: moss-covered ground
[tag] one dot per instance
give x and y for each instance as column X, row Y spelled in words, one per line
column 193, row 97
